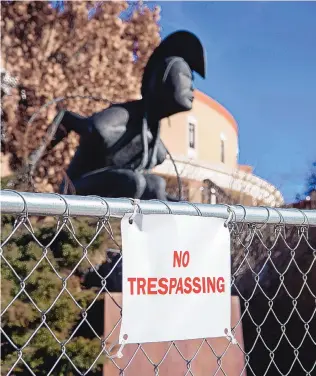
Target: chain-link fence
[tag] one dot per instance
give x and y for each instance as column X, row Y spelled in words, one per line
column 61, row 291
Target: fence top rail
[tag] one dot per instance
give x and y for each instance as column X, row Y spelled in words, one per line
column 52, row 204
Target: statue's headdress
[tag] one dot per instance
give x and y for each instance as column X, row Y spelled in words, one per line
column 183, row 44
column 180, row 45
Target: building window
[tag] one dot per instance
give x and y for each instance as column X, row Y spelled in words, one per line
column 191, row 135
column 192, row 141
column 222, row 151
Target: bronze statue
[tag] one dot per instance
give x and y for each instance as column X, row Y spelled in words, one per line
column 121, row 144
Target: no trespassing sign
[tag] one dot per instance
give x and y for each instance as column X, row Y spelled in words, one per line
column 176, row 278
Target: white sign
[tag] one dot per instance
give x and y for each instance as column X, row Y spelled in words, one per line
column 176, row 278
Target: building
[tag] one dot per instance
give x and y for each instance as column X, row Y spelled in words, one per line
column 204, row 146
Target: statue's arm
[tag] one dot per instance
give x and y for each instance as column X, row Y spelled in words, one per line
column 62, row 125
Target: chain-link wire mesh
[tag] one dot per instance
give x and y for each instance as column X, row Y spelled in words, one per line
column 61, row 301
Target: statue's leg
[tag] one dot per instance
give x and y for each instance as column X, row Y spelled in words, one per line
column 155, row 188
column 111, row 183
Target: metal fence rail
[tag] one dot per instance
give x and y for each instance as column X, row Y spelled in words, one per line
column 61, row 260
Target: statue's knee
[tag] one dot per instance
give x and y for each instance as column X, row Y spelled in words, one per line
column 157, row 182
column 162, row 186
column 155, row 188
column 138, row 183
column 161, row 183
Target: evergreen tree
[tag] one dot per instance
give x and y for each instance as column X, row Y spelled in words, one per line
column 44, row 299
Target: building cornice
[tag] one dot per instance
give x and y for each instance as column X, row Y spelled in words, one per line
column 235, row 180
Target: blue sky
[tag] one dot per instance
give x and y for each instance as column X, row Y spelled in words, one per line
column 262, row 68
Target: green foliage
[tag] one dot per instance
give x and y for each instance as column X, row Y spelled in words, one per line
column 53, row 301
column 5, row 180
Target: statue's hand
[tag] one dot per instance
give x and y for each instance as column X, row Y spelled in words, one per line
column 161, row 153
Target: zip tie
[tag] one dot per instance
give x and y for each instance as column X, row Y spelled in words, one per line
column 230, row 336
column 230, row 215
column 135, row 203
column 119, row 353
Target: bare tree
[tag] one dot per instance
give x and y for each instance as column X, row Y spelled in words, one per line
column 74, row 52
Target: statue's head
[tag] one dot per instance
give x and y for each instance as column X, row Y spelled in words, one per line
column 167, row 86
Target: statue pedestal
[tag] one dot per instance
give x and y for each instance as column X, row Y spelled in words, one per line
column 204, row 363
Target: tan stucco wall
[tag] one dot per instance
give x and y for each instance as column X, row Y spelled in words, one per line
column 211, row 125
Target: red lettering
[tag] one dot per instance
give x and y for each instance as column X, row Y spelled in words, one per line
column 141, row 283
column 210, row 284
column 187, row 284
column 131, row 281
column 179, row 286
column 177, row 258
column 185, row 259
column 203, row 282
column 221, row 284
column 163, row 286
column 152, row 286
column 162, row 283
column 172, row 284
column 197, row 286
